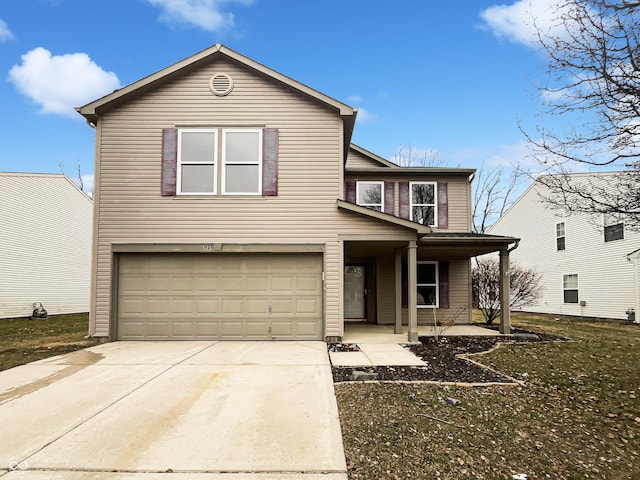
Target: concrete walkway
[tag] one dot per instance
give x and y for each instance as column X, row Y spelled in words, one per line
column 367, row 333
column 168, row 410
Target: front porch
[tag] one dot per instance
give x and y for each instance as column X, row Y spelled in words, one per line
column 406, row 285
column 370, row 333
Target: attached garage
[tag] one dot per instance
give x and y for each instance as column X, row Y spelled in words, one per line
column 219, row 296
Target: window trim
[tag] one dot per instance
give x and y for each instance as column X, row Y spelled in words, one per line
column 223, row 162
column 434, row 204
column 369, row 205
column 180, row 163
column 565, row 289
column 436, row 285
column 563, row 236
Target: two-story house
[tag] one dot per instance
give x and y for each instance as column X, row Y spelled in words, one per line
column 588, row 264
column 231, row 204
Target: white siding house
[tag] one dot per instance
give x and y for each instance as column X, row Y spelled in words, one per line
column 585, row 261
column 45, row 244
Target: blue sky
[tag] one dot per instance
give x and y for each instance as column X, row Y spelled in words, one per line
column 451, row 77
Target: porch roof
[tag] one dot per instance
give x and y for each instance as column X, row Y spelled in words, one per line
column 465, row 244
column 385, row 217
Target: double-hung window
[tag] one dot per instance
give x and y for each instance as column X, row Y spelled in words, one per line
column 370, row 195
column 613, row 228
column 197, row 161
column 570, row 288
column 219, row 160
column 423, row 203
column 241, row 161
column 427, row 284
column 560, row 236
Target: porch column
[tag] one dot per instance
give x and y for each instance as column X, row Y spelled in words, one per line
column 505, row 286
column 412, row 304
column 398, row 285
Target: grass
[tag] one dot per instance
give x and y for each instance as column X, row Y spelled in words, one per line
column 23, row 340
column 576, row 416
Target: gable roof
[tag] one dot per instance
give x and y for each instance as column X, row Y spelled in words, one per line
column 92, row 111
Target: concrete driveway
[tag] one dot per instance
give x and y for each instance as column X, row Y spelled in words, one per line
column 169, row 410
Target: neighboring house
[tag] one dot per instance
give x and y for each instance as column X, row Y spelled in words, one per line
column 45, row 244
column 231, row 204
column 588, row 263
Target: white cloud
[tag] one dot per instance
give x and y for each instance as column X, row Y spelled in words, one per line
column 207, row 15
column 365, row 116
column 354, row 98
column 5, row 33
column 521, row 21
column 58, row 83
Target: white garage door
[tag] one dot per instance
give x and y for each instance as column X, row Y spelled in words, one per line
column 220, row 297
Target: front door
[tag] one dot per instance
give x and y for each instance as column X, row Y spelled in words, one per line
column 354, row 293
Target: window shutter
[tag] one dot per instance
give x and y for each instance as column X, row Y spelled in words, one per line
column 350, row 191
column 169, row 161
column 389, row 197
column 443, row 284
column 270, row 151
column 403, row 191
column 443, row 205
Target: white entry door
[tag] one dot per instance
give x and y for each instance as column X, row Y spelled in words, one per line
column 354, row 293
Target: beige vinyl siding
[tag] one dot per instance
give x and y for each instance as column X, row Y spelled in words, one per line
column 45, row 244
column 459, row 294
column 310, row 162
column 358, row 160
column 458, row 196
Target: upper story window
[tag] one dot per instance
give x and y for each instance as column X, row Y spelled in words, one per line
column 613, row 228
column 197, row 161
column 370, row 195
column 200, row 172
column 570, row 288
column 423, row 202
column 560, row 236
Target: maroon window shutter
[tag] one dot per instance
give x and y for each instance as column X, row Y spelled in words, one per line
column 443, row 284
column 270, row 162
column 389, row 197
column 350, row 191
column 443, row 205
column 403, row 191
column 169, row 161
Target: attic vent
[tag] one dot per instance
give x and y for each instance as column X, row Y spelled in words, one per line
column 221, row 84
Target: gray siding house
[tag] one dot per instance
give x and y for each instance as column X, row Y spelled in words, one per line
column 231, row 204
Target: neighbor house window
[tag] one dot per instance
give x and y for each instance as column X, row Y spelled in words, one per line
column 200, row 172
column 560, row 237
column 197, row 161
column 423, row 203
column 570, row 288
column 427, row 284
column 369, row 194
column 613, row 228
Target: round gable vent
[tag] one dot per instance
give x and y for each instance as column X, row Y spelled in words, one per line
column 221, row 84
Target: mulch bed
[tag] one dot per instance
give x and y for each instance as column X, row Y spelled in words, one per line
column 443, row 361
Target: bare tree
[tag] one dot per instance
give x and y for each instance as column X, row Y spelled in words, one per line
column 410, row 157
column 594, row 85
column 492, row 195
column 525, row 287
column 79, row 181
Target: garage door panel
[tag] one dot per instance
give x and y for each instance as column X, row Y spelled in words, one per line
column 207, row 306
column 220, row 296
